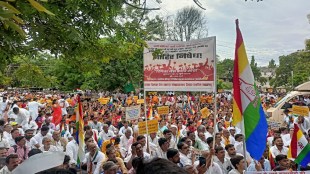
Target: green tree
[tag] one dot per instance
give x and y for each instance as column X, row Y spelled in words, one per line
column 272, row 64
column 262, row 80
column 225, row 68
column 298, row 63
column 255, row 69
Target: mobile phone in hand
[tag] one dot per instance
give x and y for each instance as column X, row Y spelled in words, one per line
column 202, row 161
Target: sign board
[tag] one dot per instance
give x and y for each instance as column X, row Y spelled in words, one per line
column 300, row 110
column 180, row 65
column 133, row 112
column 104, row 101
column 152, row 126
column 140, row 101
column 163, row 110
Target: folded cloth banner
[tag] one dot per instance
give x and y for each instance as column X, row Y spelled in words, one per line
column 40, row 162
column 133, row 113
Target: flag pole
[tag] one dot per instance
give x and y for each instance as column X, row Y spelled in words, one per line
column 145, row 116
column 215, row 94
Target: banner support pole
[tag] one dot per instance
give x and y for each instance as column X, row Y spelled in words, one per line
column 215, row 94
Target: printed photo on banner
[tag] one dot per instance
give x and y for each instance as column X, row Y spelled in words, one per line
column 180, row 65
column 133, row 113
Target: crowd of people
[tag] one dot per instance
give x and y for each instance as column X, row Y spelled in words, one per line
column 187, row 141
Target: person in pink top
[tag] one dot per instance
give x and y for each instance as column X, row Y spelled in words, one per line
column 20, row 148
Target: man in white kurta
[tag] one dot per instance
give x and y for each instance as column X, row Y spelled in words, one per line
column 33, row 107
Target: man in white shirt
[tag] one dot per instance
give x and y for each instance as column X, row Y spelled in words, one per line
column 33, row 107
column 22, row 117
column 94, row 159
column 303, row 123
column 58, row 141
column 12, row 161
column 72, row 149
column 153, row 142
column 7, row 131
column 36, row 141
column 106, row 134
column 125, row 127
column 32, row 124
column 168, row 135
column 184, row 151
column 14, row 134
column 125, row 142
column 136, row 151
column 3, row 106
column 239, row 165
column 94, row 124
column 278, row 148
column 221, row 160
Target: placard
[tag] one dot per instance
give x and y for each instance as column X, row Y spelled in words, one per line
column 104, row 101
column 301, row 110
column 135, row 98
column 163, row 110
column 152, row 126
column 140, row 101
column 133, row 112
column 181, row 66
column 205, row 112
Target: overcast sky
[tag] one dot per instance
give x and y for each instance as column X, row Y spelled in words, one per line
column 270, row 28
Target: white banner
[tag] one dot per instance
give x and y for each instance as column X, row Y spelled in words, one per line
column 133, row 112
column 180, row 66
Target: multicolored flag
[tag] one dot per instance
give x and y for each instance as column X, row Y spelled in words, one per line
column 190, row 108
column 299, row 148
column 248, row 113
column 80, row 130
column 150, row 112
column 100, row 141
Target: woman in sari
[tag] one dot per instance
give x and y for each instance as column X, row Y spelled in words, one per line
column 56, row 113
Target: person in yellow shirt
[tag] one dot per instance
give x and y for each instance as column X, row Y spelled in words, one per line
column 111, row 154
